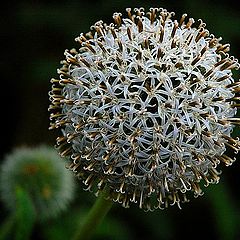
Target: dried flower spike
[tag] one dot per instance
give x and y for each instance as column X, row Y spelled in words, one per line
column 146, row 108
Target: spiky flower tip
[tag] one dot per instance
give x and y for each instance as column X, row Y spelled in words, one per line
column 146, row 108
column 40, row 173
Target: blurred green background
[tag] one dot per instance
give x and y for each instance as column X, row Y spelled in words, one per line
column 34, row 35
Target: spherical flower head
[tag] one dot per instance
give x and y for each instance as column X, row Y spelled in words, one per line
column 146, row 108
column 41, row 175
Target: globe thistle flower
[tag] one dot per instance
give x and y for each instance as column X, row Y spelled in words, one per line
column 146, row 108
column 40, row 174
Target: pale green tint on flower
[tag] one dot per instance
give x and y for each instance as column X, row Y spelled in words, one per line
column 146, row 107
column 41, row 174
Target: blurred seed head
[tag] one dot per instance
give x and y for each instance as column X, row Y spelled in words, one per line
column 146, row 107
column 41, row 174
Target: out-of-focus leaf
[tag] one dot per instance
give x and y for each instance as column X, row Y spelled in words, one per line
column 6, row 227
column 112, row 228
column 25, row 215
column 65, row 226
column 225, row 213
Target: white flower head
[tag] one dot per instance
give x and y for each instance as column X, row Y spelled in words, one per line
column 146, row 107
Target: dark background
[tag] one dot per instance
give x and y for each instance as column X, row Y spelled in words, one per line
column 34, row 35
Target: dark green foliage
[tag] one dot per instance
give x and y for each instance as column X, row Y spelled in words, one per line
column 34, row 35
column 25, row 215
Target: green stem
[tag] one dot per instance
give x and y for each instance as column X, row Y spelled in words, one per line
column 7, row 227
column 94, row 217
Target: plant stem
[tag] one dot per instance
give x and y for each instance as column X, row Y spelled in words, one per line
column 7, row 227
column 94, row 217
